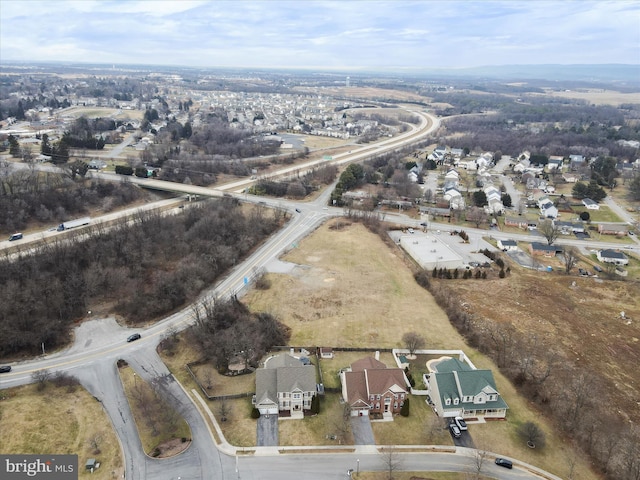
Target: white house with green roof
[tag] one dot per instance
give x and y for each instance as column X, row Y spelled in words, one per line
column 458, row 389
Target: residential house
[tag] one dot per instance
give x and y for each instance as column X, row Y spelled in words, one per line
column 538, row 248
column 567, row 228
column 369, row 387
column 570, row 177
column 507, row 245
column 554, row 164
column 494, row 200
column 590, row 204
column 576, row 162
column 548, row 210
column 520, row 222
column 457, row 389
column 285, row 386
column 612, row 228
column 612, row 256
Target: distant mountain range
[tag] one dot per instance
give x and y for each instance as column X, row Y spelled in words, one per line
column 614, row 73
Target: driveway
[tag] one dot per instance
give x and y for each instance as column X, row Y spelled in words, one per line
column 267, row 431
column 362, row 431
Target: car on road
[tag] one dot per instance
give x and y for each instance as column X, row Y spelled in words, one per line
column 411, row 230
column 133, row 338
column 298, row 210
column 15, row 236
column 462, row 425
column 503, row 462
column 5, row 368
column 455, row 431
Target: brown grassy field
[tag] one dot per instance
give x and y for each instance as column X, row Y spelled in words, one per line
column 353, row 290
column 61, row 422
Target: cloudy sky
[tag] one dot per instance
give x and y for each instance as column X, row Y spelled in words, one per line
column 345, row 34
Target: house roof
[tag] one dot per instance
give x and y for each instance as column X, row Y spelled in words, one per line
column 369, row 376
column 588, row 201
column 457, row 379
column 544, row 247
column 612, row 254
column 283, row 373
column 508, row 243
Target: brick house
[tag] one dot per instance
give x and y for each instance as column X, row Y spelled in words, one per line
column 369, row 387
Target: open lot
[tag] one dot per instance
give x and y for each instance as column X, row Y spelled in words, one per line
column 60, row 421
column 352, row 289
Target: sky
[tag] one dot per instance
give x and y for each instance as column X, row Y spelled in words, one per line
column 333, row 35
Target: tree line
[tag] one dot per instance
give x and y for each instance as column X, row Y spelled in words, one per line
column 144, row 269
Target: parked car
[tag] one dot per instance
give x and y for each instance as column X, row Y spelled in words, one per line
column 298, row 210
column 133, row 338
column 597, row 268
column 5, row 368
column 455, row 431
column 503, row 462
column 462, row 425
column 411, row 230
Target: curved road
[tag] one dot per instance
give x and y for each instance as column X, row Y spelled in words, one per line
column 100, row 344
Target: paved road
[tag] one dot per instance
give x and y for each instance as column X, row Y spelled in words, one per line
column 93, row 362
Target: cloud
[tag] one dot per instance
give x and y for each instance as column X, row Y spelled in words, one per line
column 347, row 34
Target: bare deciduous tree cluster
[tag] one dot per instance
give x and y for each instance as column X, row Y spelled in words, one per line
column 144, row 270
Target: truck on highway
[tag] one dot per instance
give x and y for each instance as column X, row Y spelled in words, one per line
column 74, row 223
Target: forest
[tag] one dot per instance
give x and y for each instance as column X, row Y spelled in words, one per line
column 140, row 270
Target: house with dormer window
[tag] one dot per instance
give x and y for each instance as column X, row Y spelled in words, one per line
column 286, row 385
column 457, row 389
column 370, row 387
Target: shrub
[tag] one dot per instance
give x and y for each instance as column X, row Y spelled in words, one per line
column 255, row 413
column 404, row 410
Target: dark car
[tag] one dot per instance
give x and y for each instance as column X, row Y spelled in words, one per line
column 5, row 368
column 298, row 210
column 134, row 337
column 15, row 236
column 503, row 462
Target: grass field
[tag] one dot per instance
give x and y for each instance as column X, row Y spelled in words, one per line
column 353, row 290
column 58, row 421
column 158, row 425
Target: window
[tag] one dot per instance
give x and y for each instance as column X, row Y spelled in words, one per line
column 296, row 396
column 395, row 405
column 456, row 401
column 377, row 397
column 447, row 401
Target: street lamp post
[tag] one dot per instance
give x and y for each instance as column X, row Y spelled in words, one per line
column 358, row 467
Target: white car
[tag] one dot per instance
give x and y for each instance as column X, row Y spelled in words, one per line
column 455, row 430
column 462, row 425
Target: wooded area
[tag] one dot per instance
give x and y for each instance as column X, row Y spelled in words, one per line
column 141, row 270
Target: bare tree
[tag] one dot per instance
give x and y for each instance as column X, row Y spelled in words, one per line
column 549, row 230
column 413, row 341
column 391, row 461
column 477, row 216
column 532, row 434
column 95, row 441
column 224, row 410
column 41, row 377
column 479, row 458
column 569, row 258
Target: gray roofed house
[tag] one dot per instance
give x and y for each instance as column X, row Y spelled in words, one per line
column 612, row 256
column 456, row 389
column 285, row 385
